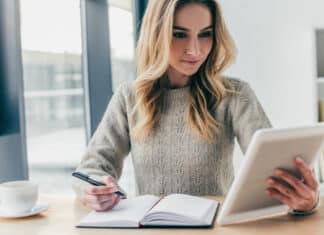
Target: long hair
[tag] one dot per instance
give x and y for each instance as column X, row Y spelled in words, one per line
column 152, row 58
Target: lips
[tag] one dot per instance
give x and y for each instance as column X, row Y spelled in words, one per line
column 191, row 62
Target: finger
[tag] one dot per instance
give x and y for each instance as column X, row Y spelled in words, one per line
column 280, row 197
column 307, row 173
column 117, row 200
column 107, row 205
column 102, row 206
column 84, row 202
column 299, row 187
column 100, row 190
column 284, row 190
column 108, row 180
column 97, row 199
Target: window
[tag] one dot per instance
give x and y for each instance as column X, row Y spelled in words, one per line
column 53, row 90
column 121, row 30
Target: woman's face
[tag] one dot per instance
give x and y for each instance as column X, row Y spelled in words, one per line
column 192, row 39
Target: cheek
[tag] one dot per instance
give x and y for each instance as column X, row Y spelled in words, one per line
column 176, row 48
column 175, row 51
column 206, row 47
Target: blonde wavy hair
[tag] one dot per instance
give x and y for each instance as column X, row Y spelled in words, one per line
column 152, row 58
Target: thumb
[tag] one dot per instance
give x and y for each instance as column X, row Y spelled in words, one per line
column 108, row 180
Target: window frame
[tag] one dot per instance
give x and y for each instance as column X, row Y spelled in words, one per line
column 97, row 68
column 96, row 61
column 97, row 74
column 13, row 160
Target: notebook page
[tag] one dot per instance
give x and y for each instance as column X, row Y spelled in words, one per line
column 185, row 205
column 127, row 210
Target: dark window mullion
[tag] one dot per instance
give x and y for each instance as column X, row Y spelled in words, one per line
column 139, row 7
column 13, row 160
column 96, row 60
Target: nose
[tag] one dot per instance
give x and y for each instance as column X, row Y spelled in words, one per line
column 192, row 48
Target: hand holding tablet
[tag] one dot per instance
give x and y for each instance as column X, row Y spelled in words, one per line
column 299, row 194
column 269, row 150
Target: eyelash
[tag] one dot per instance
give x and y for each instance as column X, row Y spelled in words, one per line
column 181, row 35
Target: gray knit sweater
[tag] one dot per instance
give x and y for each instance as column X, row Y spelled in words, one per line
column 174, row 160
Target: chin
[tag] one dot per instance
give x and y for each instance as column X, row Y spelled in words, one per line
column 190, row 73
column 187, row 72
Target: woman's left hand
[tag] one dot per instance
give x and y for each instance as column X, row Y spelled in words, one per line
column 299, row 194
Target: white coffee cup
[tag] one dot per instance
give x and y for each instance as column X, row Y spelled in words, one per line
column 18, row 196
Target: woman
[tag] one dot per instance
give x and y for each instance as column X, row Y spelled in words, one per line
column 180, row 117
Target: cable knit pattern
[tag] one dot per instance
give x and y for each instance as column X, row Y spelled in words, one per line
column 174, row 159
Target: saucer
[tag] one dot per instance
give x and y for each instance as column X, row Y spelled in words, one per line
column 38, row 208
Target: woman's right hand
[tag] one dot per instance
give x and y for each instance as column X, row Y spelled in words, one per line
column 101, row 198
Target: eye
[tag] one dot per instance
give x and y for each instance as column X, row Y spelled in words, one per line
column 206, row 34
column 179, row 35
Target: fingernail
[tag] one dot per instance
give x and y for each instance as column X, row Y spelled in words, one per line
column 270, row 181
column 299, row 160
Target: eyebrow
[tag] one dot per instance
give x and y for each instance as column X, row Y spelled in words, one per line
column 185, row 29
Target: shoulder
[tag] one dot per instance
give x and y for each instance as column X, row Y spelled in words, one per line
column 237, row 85
column 126, row 89
column 124, row 94
column 240, row 94
column 244, row 100
column 240, row 91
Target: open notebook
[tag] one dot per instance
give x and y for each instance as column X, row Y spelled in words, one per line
column 148, row 210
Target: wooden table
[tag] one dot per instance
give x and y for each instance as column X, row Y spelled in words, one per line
column 65, row 212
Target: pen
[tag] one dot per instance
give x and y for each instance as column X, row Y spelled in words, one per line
column 92, row 181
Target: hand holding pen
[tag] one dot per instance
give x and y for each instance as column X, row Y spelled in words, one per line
column 99, row 196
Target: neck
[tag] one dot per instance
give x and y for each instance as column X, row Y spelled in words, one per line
column 176, row 79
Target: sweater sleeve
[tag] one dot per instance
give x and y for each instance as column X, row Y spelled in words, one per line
column 247, row 115
column 109, row 145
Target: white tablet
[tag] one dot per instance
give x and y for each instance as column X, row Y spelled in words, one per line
column 269, row 149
